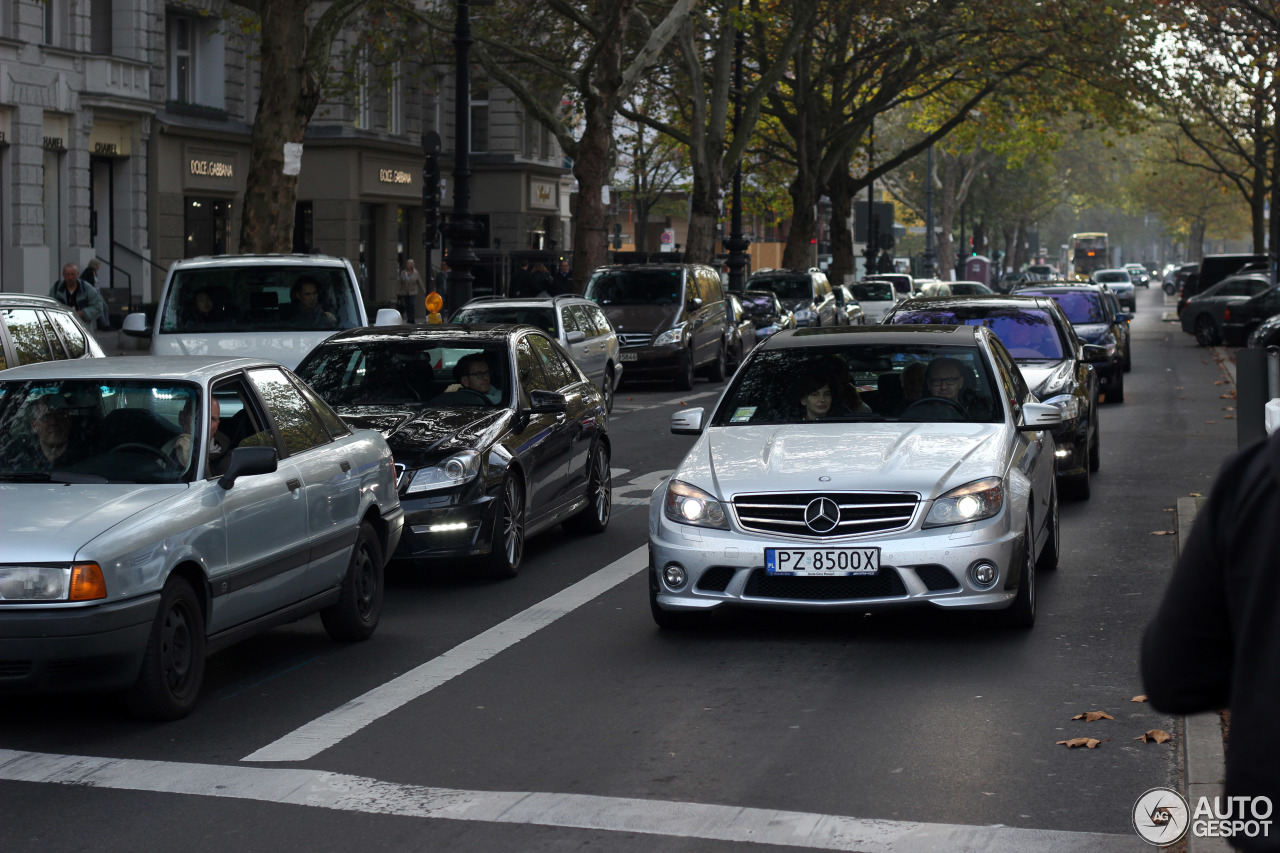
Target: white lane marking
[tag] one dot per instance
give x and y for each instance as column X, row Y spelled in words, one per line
column 674, row 401
column 320, row 734
column 342, row 792
column 645, row 484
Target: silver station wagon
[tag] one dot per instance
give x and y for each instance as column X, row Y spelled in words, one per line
column 155, row 509
column 855, row 469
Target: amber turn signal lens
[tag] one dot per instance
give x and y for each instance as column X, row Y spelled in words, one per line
column 434, row 303
column 87, row 582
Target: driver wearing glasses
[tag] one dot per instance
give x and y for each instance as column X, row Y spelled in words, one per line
column 945, row 379
column 472, row 373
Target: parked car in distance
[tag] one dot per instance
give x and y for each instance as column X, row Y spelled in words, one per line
column 497, row 434
column 784, row 504
column 1121, row 285
column 265, row 306
column 1240, row 319
column 876, row 296
column 1139, row 274
column 670, row 319
column 903, row 284
column 767, row 312
column 197, row 501
column 37, row 328
column 740, row 332
column 1090, row 310
column 1042, row 272
column 1266, row 335
column 1205, row 315
column 1213, row 269
column 576, row 323
column 1057, row 366
column 807, row 294
column 851, row 306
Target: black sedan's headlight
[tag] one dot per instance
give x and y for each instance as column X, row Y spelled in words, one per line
column 456, row 470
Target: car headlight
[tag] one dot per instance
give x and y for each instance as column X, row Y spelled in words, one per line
column 1068, row 404
column 81, row 582
column 970, row 502
column 673, row 335
column 454, row 471
column 688, row 504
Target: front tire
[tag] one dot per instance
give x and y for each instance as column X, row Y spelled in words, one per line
column 1048, row 559
column 606, row 390
column 172, row 671
column 507, row 548
column 716, row 372
column 1206, row 331
column 684, row 372
column 356, row 613
column 594, row 517
column 1022, row 613
column 1116, row 394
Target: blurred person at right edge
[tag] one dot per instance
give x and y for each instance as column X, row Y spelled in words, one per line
column 1215, row 641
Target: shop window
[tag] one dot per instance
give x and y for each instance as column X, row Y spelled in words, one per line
column 204, row 224
column 195, row 54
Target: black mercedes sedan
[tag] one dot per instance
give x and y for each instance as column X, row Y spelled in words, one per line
column 497, row 434
column 1096, row 321
column 1056, row 364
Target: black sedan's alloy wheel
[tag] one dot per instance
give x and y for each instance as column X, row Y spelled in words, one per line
column 508, row 533
column 594, row 517
column 1206, row 331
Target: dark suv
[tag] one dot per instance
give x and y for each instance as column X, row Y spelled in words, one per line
column 805, row 293
column 670, row 318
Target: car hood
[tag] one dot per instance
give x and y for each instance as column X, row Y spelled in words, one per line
column 413, row 433
column 1048, row 378
column 1089, row 333
column 52, row 522
column 634, row 319
column 925, row 458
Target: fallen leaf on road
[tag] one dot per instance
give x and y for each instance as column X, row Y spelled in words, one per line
column 1211, row 422
column 1155, row 735
column 1195, row 494
column 1141, row 697
column 1219, row 382
column 1168, row 509
column 1090, row 742
column 1093, row 716
column 1228, row 417
column 1177, row 387
column 1163, row 532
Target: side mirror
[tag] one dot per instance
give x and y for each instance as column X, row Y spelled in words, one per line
column 1094, row 354
column 577, row 336
column 687, row 422
column 547, row 401
column 1037, row 416
column 247, row 461
column 695, row 303
column 388, row 317
column 1124, row 317
column 135, row 325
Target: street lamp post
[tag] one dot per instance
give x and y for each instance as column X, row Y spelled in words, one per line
column 736, row 244
column 461, row 229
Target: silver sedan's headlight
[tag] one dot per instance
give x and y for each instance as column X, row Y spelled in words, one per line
column 1068, row 403
column 970, row 502
column 457, row 469
column 686, row 504
column 673, row 335
column 81, row 582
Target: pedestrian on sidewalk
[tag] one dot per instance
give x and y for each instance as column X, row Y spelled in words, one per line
column 1215, row 641
column 82, row 298
column 410, row 291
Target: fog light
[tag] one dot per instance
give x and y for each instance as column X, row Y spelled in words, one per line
column 983, row 574
column 1062, row 452
column 445, row 528
column 673, row 575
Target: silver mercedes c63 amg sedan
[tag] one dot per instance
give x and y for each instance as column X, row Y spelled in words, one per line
column 856, row 469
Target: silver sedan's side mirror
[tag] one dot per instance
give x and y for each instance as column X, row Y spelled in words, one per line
column 687, row 422
column 1037, row 416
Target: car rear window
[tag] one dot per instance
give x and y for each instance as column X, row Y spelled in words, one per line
column 1030, row 334
column 542, row 318
column 1079, row 306
column 873, row 291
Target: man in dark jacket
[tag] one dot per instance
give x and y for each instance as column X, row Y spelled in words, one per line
column 562, row 280
column 1215, row 641
column 83, row 298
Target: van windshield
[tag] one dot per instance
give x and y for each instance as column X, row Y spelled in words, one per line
column 635, row 287
column 784, row 286
column 260, row 299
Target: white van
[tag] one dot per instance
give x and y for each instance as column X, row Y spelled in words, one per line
column 265, row 306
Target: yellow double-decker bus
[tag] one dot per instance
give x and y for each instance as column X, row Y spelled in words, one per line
column 1088, row 252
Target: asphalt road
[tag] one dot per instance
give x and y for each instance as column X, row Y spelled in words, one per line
column 549, row 713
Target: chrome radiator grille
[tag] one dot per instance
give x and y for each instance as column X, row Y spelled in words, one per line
column 824, row 515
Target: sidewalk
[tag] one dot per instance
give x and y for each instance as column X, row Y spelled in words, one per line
column 1202, row 749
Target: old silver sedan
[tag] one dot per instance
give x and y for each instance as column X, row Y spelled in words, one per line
column 858, row 469
column 153, row 510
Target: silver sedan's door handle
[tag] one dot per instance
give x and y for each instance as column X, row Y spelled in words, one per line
column 345, row 466
column 294, row 484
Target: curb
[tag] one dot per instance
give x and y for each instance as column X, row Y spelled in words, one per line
column 1204, row 758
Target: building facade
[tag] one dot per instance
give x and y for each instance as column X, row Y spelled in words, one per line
column 124, row 135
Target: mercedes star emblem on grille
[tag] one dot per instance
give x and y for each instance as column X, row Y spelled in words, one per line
column 822, row 515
